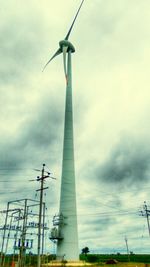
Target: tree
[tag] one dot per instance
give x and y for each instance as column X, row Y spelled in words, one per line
column 85, row 250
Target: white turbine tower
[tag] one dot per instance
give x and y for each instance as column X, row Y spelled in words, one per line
column 67, row 233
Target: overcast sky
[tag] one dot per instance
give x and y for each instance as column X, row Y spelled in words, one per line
column 111, row 112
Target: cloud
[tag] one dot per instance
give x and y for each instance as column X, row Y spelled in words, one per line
column 127, row 164
column 39, row 132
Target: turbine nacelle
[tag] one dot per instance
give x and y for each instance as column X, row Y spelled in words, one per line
column 68, row 45
column 65, row 45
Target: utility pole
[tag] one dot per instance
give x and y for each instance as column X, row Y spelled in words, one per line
column 23, row 236
column 146, row 213
column 43, row 233
column 41, row 179
column 126, row 241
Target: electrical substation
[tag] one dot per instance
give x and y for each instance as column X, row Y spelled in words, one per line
column 24, row 227
column 20, row 229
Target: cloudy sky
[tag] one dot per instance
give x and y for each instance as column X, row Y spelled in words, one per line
column 111, row 113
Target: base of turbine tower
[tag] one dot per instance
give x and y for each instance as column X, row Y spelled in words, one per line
column 65, row 263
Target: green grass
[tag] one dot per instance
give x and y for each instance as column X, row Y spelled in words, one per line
column 102, row 258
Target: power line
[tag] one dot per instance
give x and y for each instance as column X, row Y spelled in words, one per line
column 103, row 214
column 15, row 169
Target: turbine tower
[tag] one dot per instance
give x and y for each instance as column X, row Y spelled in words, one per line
column 67, row 233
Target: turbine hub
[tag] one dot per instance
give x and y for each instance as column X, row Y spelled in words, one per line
column 68, row 44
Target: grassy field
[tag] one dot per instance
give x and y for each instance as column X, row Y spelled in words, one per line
column 136, row 260
column 131, row 264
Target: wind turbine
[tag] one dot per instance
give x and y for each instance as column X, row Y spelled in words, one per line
column 67, row 235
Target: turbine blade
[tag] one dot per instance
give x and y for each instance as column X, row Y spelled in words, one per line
column 64, row 59
column 68, row 34
column 58, row 52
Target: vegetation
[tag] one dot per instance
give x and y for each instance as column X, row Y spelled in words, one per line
column 98, row 258
column 85, row 250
